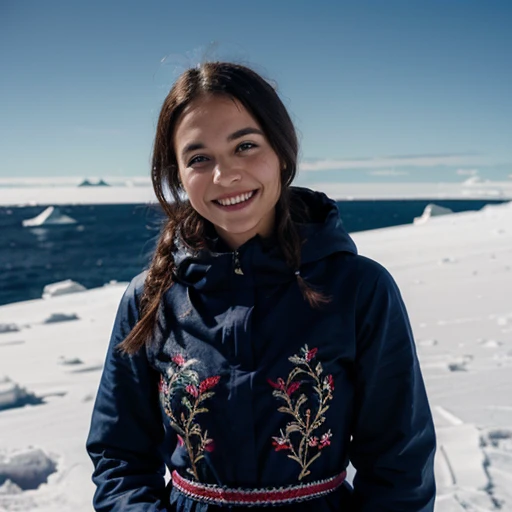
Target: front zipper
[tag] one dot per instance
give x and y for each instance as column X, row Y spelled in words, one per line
column 236, row 264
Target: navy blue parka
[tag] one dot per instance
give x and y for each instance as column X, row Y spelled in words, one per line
column 240, row 363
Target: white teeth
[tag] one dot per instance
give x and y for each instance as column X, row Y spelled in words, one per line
column 235, row 200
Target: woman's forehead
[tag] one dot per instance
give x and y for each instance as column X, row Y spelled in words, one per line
column 214, row 104
column 212, row 114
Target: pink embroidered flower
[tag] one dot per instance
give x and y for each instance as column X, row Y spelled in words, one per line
column 209, row 445
column 280, row 444
column 325, row 440
column 280, row 384
column 330, row 382
column 180, row 440
column 311, row 354
column 208, row 383
column 292, row 388
column 178, row 359
column 308, row 411
column 162, row 386
column 192, row 390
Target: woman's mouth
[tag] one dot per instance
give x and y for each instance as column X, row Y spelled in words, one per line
column 237, row 201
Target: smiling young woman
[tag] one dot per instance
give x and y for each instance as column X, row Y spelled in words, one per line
column 228, row 168
column 259, row 354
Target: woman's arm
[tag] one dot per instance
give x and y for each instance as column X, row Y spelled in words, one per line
column 126, row 428
column 393, row 441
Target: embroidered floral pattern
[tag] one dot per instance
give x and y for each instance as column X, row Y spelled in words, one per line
column 301, row 437
column 182, row 383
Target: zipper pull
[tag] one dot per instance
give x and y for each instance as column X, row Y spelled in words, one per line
column 236, row 264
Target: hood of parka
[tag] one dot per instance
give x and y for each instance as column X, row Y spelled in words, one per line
column 260, row 260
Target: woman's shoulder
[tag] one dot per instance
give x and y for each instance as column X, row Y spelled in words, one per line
column 136, row 285
column 364, row 275
column 135, row 288
column 362, row 266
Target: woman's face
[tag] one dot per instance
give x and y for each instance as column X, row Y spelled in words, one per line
column 228, row 169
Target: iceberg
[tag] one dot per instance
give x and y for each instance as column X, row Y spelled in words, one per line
column 50, row 216
column 431, row 210
column 62, row 288
column 88, row 183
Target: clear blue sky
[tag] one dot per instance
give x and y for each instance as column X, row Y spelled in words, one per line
column 381, row 90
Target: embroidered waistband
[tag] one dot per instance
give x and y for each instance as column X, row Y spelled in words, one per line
column 262, row 497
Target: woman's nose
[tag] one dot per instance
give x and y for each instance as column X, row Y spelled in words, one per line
column 225, row 174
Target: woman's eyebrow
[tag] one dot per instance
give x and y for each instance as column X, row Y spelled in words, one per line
column 243, row 132
column 192, row 147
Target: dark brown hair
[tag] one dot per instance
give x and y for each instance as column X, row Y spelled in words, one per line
column 262, row 102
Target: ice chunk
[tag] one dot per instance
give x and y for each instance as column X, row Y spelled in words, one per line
column 427, row 342
column 431, row 210
column 28, row 469
column 60, row 317
column 460, row 445
column 8, row 328
column 12, row 395
column 51, row 216
column 61, row 288
column 69, row 360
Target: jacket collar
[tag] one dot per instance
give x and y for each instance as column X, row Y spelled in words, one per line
column 259, row 259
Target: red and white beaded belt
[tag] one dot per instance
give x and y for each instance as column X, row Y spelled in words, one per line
column 262, row 497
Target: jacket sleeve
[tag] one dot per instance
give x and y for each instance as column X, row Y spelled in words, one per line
column 393, row 438
column 126, row 427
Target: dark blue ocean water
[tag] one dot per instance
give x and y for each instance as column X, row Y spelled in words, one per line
column 115, row 242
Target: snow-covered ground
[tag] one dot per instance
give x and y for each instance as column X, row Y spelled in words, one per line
column 455, row 273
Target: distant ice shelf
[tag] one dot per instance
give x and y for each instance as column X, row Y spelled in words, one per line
column 139, row 191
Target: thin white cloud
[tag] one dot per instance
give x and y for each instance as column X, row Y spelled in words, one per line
column 391, row 161
column 467, row 172
column 416, row 190
column 388, row 172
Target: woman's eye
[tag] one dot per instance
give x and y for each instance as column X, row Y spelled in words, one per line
column 197, row 160
column 245, row 146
